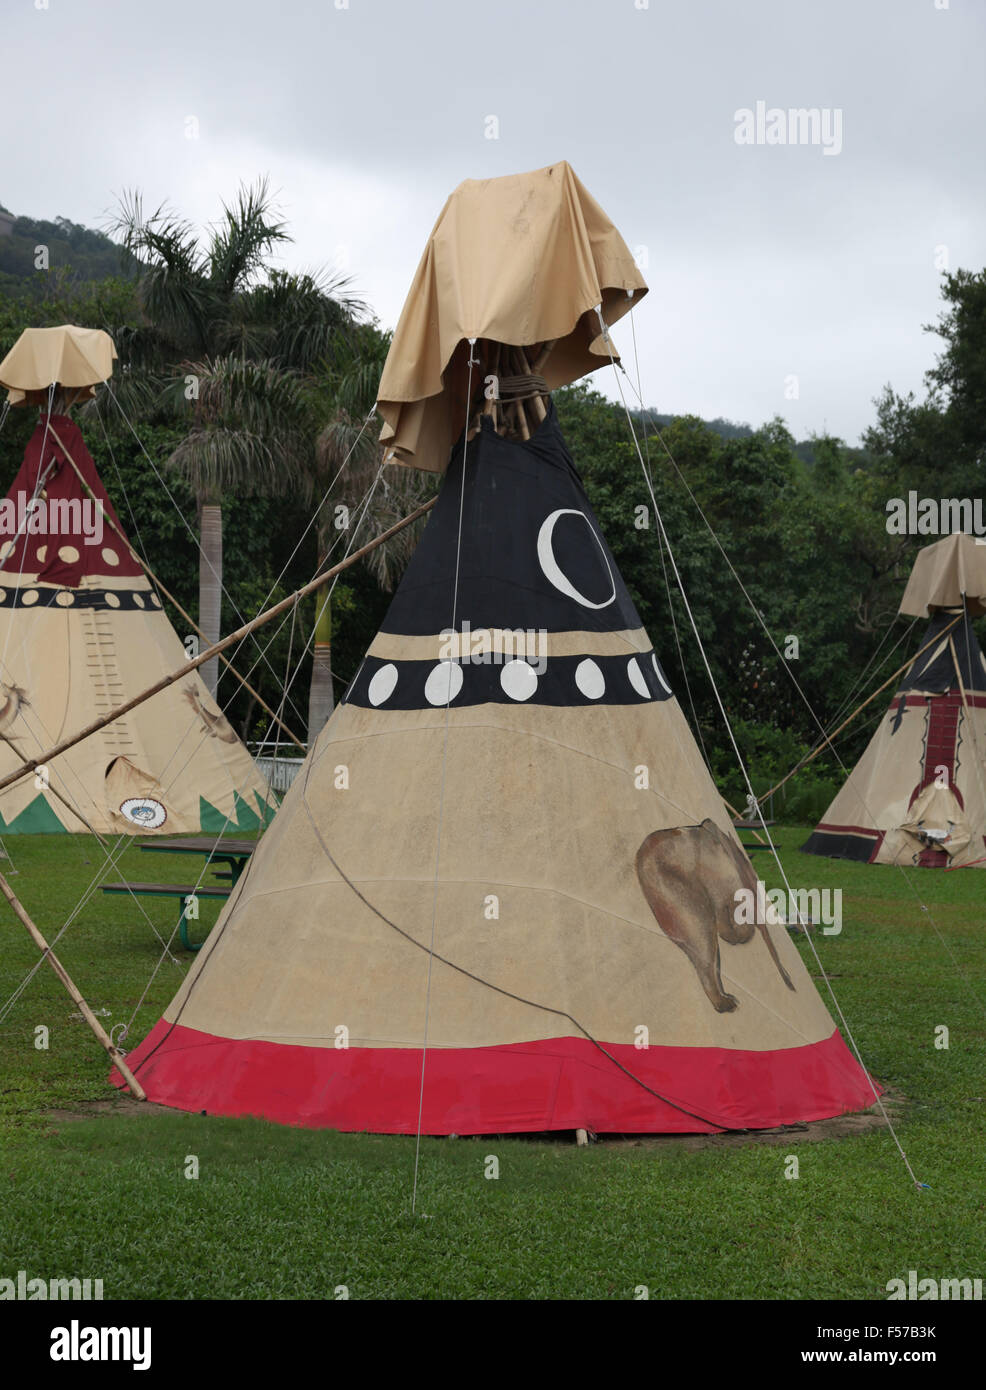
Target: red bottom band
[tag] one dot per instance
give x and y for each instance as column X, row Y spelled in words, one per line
column 559, row 1083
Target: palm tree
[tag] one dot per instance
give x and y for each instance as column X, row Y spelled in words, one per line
column 348, row 464
column 233, row 342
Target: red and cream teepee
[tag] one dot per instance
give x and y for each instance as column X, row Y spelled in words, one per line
column 918, row 793
column 82, row 630
column 504, row 852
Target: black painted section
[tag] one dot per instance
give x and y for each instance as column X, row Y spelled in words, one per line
column 936, row 672
column 841, row 846
column 35, row 596
column 556, row 685
column 511, row 489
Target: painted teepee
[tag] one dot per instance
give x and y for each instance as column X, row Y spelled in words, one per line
column 918, row 793
column 82, row 630
column 504, row 852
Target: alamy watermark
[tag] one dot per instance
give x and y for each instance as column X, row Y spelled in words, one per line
column 793, row 125
column 77, row 1342
column 24, row 515
column 26, row 1289
column 935, row 516
column 946, row 1289
column 794, row 906
column 485, row 646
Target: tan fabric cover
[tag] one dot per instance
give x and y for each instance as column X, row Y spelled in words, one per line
column 935, row 817
column 945, row 572
column 298, row 952
column 63, row 667
column 68, row 356
column 518, row 260
column 876, row 793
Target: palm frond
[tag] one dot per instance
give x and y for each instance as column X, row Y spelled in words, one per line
column 244, row 238
column 252, row 426
column 172, row 289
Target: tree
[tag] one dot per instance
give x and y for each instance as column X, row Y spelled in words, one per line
column 347, row 461
column 233, row 342
column 937, row 447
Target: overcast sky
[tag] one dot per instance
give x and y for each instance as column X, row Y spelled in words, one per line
column 766, row 262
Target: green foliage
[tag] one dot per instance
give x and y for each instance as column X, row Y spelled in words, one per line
column 937, row 446
column 809, row 548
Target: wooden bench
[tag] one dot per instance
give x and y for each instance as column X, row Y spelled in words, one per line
column 181, row 891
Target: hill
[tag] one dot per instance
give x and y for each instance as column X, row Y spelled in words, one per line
column 74, row 253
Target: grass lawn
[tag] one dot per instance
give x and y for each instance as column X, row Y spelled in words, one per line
column 281, row 1213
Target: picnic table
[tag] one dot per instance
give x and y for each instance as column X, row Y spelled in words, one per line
column 752, row 825
column 233, row 853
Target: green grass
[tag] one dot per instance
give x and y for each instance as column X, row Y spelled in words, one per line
column 279, row 1213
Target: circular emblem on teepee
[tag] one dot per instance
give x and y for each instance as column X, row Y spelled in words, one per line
column 660, row 677
column 554, row 573
column 444, row 683
column 144, row 811
column 382, row 684
column 637, row 678
column 519, row 680
column 590, row 679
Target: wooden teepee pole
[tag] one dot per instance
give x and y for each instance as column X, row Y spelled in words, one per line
column 515, row 358
column 537, row 404
column 195, row 662
column 976, row 758
column 115, row 1055
column 544, row 354
column 733, row 812
column 171, row 598
column 958, row 672
column 830, row 737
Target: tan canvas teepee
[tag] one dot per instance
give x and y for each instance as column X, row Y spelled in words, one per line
column 82, row 630
column 502, row 891
column 918, row 793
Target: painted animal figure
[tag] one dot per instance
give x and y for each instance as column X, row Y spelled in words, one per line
column 689, row 876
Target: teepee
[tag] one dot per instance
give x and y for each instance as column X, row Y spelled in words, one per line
column 502, row 888
column 82, row 630
column 918, row 793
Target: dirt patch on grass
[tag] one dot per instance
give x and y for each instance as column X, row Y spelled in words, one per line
column 841, row 1127
column 116, row 1105
column 810, row 1132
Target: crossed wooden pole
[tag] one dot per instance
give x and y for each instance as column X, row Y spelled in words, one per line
column 32, row 764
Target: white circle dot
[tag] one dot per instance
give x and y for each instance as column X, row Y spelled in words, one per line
column 6, row 550
column 3, row 595
column 112, row 600
column 110, row 556
column 155, row 600
column 657, row 673
column 138, row 601
column 29, row 597
column 42, row 553
column 637, row 678
column 444, row 683
column 382, row 684
column 519, row 680
column 590, row 679
column 65, row 598
column 68, row 554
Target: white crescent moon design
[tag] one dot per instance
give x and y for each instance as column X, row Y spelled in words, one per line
column 552, row 570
